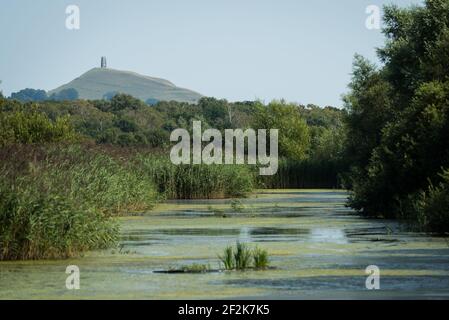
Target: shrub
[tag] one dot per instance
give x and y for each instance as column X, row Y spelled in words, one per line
column 432, row 207
column 34, row 127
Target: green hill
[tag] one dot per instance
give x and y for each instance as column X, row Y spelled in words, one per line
column 100, row 82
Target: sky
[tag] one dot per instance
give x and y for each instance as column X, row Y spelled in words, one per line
column 296, row 50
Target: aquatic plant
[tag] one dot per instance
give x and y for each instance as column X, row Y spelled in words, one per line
column 196, row 268
column 242, row 257
column 228, row 258
column 431, row 207
column 260, row 258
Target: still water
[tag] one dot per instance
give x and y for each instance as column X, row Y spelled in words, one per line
column 318, row 249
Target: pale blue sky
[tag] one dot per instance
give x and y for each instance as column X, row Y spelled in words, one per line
column 235, row 49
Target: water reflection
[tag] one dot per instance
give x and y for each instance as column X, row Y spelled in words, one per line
column 328, row 235
column 245, row 234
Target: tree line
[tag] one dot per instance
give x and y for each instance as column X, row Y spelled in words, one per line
column 397, row 139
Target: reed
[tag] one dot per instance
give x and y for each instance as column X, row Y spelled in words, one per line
column 56, row 201
column 307, row 173
column 228, row 258
column 197, row 181
column 241, row 257
column 260, row 258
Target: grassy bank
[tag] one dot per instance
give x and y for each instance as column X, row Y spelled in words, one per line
column 58, row 200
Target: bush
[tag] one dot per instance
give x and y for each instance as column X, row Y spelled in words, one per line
column 34, row 127
column 432, row 207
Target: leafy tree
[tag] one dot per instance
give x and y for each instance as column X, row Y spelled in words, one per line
column 34, row 127
column 28, row 94
column 125, row 101
column 294, row 137
column 397, row 123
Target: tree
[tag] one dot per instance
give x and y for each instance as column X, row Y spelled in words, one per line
column 125, row 101
column 294, row 137
column 398, row 116
column 28, row 94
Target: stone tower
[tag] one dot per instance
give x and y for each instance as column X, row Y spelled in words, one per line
column 103, row 62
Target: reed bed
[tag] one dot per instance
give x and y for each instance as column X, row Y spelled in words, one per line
column 197, row 181
column 57, row 201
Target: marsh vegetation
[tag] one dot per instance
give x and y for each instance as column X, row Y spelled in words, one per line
column 242, row 257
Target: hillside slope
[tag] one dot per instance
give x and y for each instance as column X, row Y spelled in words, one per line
column 98, row 82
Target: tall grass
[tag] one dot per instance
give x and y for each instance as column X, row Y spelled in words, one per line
column 304, row 174
column 197, row 181
column 260, row 258
column 241, row 257
column 228, row 258
column 56, row 201
column 35, row 224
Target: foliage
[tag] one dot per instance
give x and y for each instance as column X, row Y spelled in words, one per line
column 241, row 257
column 33, row 127
column 197, row 181
column 228, row 258
column 28, row 94
column 260, row 258
column 432, row 207
column 35, row 224
column 128, row 122
column 294, row 137
column 56, row 199
column 397, row 123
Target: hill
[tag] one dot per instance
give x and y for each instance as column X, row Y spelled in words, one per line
column 100, row 82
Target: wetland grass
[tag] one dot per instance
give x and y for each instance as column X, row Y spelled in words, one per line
column 260, row 258
column 241, row 257
column 197, row 181
column 57, row 201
